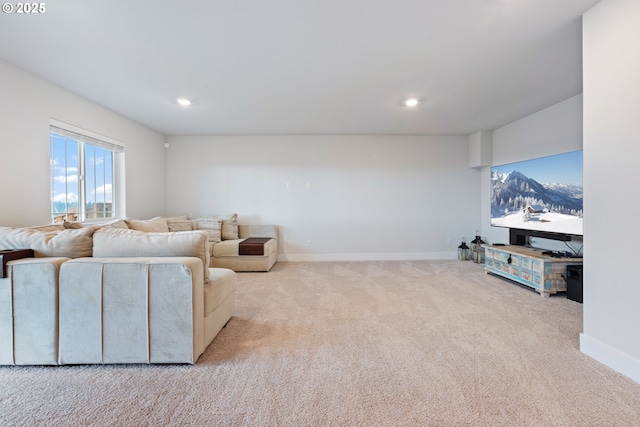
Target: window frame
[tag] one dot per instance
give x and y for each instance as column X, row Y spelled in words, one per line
column 84, row 137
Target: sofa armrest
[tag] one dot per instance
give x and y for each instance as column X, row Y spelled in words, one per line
column 12, row 255
column 246, row 231
column 131, row 310
column 29, row 312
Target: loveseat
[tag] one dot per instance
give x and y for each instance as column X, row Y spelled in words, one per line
column 109, row 294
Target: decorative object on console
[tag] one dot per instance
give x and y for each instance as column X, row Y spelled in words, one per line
column 463, row 251
column 477, row 251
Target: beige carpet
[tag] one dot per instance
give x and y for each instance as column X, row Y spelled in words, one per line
column 428, row 343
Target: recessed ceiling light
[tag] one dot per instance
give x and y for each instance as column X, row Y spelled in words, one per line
column 184, row 102
column 411, row 102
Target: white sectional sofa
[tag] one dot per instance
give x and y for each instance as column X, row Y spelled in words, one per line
column 98, row 295
column 226, row 237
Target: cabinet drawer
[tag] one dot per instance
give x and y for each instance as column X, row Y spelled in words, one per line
column 537, row 266
column 537, row 278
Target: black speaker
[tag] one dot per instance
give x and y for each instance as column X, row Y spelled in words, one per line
column 574, row 283
column 517, row 237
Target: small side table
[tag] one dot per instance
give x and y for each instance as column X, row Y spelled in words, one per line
column 11, row 255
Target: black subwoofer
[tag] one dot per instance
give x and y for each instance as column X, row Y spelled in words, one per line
column 574, row 283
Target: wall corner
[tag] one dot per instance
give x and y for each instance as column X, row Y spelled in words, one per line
column 480, row 149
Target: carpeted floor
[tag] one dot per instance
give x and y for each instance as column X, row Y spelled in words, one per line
column 428, row 343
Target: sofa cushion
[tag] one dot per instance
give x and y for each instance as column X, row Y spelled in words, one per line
column 229, row 226
column 48, row 227
column 60, row 243
column 133, row 243
column 180, row 224
column 154, row 225
column 227, row 248
column 118, row 223
column 223, row 283
column 177, row 218
column 71, row 225
column 212, row 226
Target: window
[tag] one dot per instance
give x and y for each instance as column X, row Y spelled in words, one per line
column 83, row 176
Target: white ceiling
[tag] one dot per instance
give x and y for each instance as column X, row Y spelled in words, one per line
column 307, row 66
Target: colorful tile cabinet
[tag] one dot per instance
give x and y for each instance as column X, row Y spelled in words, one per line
column 528, row 266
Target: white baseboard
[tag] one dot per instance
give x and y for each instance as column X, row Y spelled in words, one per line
column 397, row 256
column 611, row 357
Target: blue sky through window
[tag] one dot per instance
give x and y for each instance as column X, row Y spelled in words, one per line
column 64, row 174
column 99, row 176
column 66, row 185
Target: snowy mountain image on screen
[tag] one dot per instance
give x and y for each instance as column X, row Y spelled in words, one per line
column 517, row 200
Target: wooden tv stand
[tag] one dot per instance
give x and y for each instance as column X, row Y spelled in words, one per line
column 544, row 273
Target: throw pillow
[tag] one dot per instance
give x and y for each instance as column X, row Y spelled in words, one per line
column 62, row 243
column 212, row 226
column 176, row 218
column 229, row 226
column 48, row 227
column 154, row 225
column 71, row 225
column 179, row 224
column 118, row 223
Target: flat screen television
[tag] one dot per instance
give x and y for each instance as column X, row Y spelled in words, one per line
column 543, row 195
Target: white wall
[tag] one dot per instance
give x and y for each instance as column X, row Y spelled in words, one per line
column 611, row 42
column 556, row 129
column 369, row 197
column 26, row 106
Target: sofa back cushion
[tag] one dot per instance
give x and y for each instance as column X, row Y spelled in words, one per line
column 229, row 226
column 212, row 226
column 132, row 243
column 48, row 227
column 154, row 225
column 73, row 243
column 180, row 225
column 117, row 223
column 221, row 227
